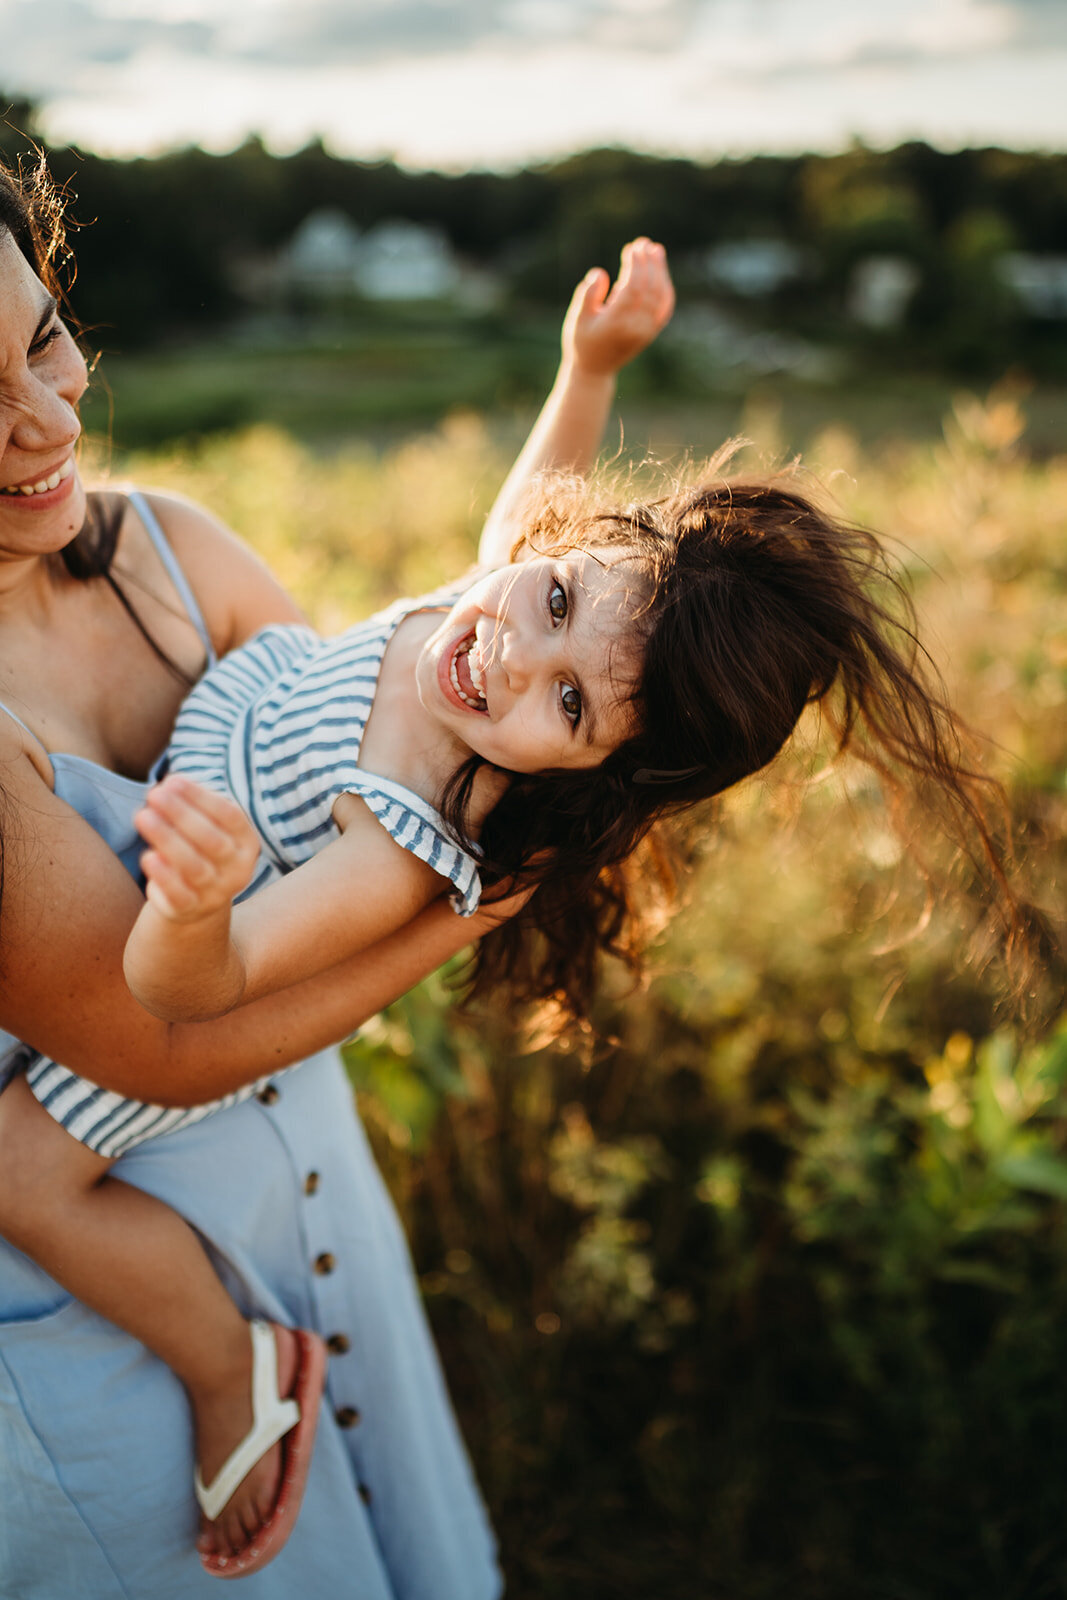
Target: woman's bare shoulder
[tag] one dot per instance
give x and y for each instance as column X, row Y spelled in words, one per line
column 236, row 591
column 24, row 761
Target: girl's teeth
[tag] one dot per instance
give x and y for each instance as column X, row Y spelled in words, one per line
column 453, row 678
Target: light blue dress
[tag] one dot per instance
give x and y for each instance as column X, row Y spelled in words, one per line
column 95, row 1436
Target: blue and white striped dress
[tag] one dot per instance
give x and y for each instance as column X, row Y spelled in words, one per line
column 276, row 725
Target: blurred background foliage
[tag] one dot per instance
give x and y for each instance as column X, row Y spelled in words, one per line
column 837, row 276
column 758, row 1289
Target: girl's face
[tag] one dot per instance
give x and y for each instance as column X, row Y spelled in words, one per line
column 534, row 666
column 42, row 378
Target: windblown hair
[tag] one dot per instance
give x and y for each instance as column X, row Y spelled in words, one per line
column 760, row 604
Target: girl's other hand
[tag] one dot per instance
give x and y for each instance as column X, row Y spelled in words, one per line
column 203, row 849
column 604, row 330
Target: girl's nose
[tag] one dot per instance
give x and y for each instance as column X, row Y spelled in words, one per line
column 522, row 655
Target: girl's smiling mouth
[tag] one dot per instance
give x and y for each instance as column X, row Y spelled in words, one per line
column 464, row 676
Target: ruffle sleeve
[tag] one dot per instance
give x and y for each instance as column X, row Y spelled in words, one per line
column 419, row 828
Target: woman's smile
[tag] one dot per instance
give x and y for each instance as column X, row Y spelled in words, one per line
column 46, row 490
column 42, row 378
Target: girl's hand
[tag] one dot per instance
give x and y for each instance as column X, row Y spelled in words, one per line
column 602, row 331
column 203, row 849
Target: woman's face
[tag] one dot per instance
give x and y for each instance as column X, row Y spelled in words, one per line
column 534, row 666
column 42, row 378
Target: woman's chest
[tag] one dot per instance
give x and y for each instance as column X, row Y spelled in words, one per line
column 86, row 690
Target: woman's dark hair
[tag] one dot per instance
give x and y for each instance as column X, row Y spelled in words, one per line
column 31, row 211
column 760, row 604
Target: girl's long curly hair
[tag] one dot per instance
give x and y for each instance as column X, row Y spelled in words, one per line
column 760, row 603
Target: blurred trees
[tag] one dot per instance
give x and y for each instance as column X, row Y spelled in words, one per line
column 162, row 239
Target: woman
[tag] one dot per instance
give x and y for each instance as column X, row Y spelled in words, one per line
column 106, row 613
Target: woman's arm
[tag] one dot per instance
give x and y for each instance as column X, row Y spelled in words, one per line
column 602, row 331
column 69, row 905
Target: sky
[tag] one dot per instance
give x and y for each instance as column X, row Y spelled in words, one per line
column 455, row 84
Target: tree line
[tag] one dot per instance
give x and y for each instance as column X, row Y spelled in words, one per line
column 159, row 238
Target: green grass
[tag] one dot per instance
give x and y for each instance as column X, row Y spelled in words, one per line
column 378, row 380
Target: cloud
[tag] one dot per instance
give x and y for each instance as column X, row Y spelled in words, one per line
column 328, row 31
column 500, row 81
column 49, row 42
column 1039, row 24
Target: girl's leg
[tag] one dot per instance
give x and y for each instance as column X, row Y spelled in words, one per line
column 136, row 1262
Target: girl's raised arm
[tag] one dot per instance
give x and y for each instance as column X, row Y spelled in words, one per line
column 602, row 331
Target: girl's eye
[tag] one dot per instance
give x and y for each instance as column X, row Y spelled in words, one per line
column 571, row 701
column 557, row 602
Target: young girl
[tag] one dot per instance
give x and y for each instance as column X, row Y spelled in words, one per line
column 603, row 668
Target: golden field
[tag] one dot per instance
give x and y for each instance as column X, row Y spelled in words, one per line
column 761, row 1291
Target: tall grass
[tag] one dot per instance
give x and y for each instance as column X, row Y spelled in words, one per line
column 763, row 1293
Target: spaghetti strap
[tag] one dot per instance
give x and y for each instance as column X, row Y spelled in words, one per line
column 51, row 758
column 154, row 529
column 16, row 718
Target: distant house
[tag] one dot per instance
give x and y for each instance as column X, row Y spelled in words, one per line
column 323, row 255
column 395, row 260
column 1039, row 282
column 880, row 289
column 751, row 267
column 705, row 339
column 405, row 261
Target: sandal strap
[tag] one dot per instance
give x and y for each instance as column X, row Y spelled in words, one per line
column 272, row 1418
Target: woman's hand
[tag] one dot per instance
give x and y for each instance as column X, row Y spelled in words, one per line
column 203, row 849
column 604, row 330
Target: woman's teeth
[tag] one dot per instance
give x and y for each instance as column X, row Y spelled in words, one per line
column 53, row 481
column 477, row 701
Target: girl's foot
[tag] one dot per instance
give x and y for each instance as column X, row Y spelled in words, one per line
column 222, row 1417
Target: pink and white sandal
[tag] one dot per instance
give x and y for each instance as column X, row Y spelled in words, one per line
column 291, row 1420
